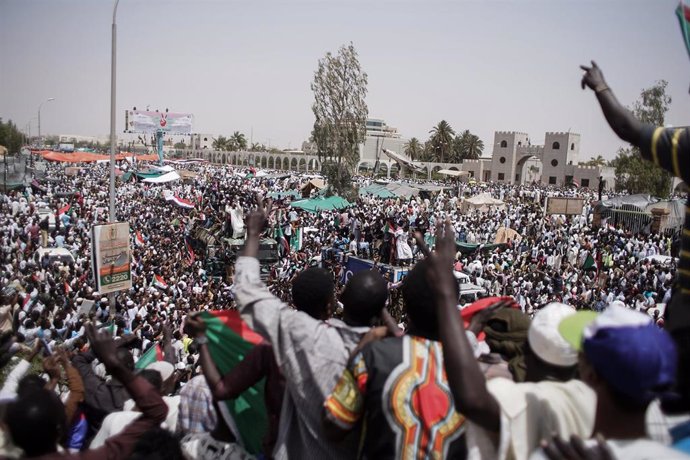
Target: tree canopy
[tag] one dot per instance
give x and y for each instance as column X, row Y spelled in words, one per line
column 633, row 173
column 340, row 112
column 11, row 137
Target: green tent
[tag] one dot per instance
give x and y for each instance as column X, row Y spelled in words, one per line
column 321, row 204
column 377, row 190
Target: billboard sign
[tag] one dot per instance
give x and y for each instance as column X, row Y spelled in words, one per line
column 111, row 257
column 566, row 206
column 142, row 121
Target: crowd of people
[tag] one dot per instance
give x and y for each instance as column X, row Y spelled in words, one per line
column 562, row 354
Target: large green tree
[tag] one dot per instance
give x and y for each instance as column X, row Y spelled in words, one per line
column 442, row 141
column 340, row 111
column 11, row 137
column 634, row 174
column 413, row 149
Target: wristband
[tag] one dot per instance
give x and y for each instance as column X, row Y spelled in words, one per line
column 601, row 89
column 201, row 340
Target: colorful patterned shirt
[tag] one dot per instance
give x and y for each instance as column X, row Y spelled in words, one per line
column 397, row 387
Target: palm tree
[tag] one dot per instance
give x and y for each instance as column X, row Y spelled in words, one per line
column 413, row 149
column 239, row 141
column 598, row 161
column 222, row 143
column 473, row 146
column 442, row 140
column 467, row 146
column 257, row 147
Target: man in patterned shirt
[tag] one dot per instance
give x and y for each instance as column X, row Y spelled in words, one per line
column 397, row 389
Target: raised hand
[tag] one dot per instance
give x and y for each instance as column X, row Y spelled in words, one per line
column 593, row 78
column 195, row 326
column 50, row 366
column 103, row 346
column 440, row 272
column 419, row 238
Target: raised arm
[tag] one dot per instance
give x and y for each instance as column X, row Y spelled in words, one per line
column 621, row 120
column 145, row 396
column 467, row 383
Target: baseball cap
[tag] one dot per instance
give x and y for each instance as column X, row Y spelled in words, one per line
column 626, row 349
column 544, row 337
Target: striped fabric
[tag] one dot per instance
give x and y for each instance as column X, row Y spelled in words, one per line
column 669, row 148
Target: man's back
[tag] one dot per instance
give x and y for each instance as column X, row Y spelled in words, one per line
column 399, row 386
column 311, row 355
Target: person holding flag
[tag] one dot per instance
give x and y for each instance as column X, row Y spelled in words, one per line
column 311, row 353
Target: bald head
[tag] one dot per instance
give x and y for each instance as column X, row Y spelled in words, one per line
column 364, row 297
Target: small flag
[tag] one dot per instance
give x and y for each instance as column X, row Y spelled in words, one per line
column 64, row 210
column 138, row 239
column 191, row 257
column 150, row 356
column 174, row 199
column 683, row 13
column 68, row 289
column 229, row 341
column 280, row 236
column 159, row 282
column 296, row 241
column 589, row 263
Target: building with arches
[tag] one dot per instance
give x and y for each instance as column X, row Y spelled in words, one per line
column 514, row 160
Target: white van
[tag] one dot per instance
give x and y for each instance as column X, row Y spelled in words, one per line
column 54, row 255
column 470, row 293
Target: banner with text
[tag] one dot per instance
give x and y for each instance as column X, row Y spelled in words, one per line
column 111, row 257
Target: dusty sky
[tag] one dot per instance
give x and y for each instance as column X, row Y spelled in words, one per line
column 247, row 65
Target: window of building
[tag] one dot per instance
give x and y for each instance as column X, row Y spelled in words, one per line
column 205, row 139
column 572, row 146
column 584, row 182
column 519, row 142
column 555, row 146
column 504, row 144
column 552, row 180
column 501, row 176
column 471, row 173
column 554, row 162
column 502, row 159
column 517, row 177
column 568, row 179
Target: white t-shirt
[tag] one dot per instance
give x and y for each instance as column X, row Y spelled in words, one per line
column 531, row 412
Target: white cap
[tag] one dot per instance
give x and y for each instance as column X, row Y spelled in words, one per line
column 545, row 340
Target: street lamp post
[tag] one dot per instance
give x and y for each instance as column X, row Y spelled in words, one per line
column 50, row 99
column 113, row 140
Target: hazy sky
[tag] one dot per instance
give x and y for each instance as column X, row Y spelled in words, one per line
column 238, row 65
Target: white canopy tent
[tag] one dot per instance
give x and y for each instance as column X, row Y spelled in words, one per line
column 453, row 173
column 168, row 177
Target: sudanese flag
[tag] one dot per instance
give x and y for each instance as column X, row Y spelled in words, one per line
column 229, row 341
